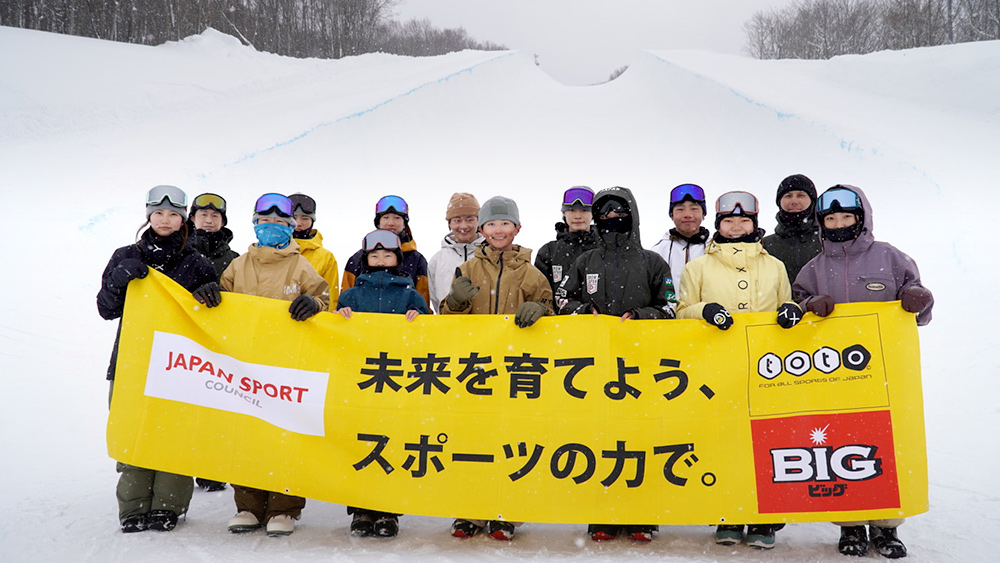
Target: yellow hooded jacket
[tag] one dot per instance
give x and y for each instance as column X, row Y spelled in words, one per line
column 322, row 260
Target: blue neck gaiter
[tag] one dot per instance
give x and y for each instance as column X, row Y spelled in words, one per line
column 276, row 235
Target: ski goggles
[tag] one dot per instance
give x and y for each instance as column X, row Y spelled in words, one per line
column 392, row 204
column 174, row 195
column 205, row 201
column 687, row 191
column 729, row 202
column 278, row 202
column 579, row 195
column 304, row 202
column 837, row 199
column 613, row 204
column 380, row 238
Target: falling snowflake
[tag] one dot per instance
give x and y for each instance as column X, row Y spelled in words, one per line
column 818, row 435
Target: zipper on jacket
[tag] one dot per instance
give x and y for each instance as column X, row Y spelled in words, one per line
column 496, row 303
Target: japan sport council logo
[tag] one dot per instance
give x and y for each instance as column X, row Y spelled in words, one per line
column 829, row 462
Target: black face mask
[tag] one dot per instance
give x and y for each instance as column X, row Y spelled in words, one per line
column 842, row 234
column 795, row 219
column 615, row 224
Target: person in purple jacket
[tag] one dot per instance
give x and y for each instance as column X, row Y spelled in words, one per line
column 854, row 267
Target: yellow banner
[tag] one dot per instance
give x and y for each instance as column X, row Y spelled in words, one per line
column 576, row 419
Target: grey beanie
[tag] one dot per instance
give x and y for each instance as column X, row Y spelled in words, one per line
column 499, row 208
column 170, row 198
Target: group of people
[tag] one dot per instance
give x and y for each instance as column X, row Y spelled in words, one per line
column 822, row 253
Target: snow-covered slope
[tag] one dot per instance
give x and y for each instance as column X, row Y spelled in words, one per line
column 87, row 126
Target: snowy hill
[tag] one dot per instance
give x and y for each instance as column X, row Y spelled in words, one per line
column 86, row 127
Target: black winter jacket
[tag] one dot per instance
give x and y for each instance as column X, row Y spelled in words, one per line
column 619, row 275
column 794, row 245
column 180, row 263
column 215, row 247
column 555, row 259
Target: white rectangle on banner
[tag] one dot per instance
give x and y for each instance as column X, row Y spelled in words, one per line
column 182, row 370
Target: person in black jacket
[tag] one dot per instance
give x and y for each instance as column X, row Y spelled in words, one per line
column 619, row 278
column 575, row 235
column 150, row 499
column 796, row 239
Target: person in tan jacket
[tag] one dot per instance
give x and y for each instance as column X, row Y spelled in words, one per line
column 498, row 280
column 274, row 268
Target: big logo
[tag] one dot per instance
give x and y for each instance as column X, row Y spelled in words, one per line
column 833, row 462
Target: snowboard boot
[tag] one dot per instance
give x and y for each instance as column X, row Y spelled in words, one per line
column 886, row 543
column 210, row 485
column 853, row 541
column 760, row 536
column 243, row 522
column 640, row 533
column 603, row 532
column 363, row 524
column 161, row 520
column 503, row 531
column 134, row 523
column 280, row 525
column 464, row 529
column 726, row 534
column 386, row 526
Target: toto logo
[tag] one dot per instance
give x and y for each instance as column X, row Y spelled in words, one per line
column 826, row 360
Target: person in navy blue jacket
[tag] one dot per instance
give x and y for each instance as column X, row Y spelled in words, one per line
column 381, row 287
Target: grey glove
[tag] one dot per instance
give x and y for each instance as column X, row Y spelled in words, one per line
column 462, row 292
column 528, row 313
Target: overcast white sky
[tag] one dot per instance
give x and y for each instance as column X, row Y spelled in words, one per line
column 583, row 41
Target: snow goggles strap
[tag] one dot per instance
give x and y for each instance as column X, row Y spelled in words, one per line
column 307, row 203
column 204, row 201
column 837, row 199
column 173, row 194
column 689, row 191
column 730, row 201
column 380, row 238
column 578, row 195
column 276, row 201
column 392, row 203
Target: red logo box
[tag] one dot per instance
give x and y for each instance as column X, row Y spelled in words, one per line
column 827, row 462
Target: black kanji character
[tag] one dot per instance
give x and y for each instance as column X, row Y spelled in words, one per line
column 522, row 451
column 576, row 365
column 618, row 389
column 682, row 378
column 476, row 375
column 430, row 375
column 381, row 375
column 376, row 454
column 526, row 375
column 620, row 454
column 569, row 452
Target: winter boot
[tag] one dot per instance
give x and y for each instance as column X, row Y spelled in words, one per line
column 603, row 532
column 760, row 536
column 853, row 541
column 363, row 524
column 886, row 543
column 244, row 521
column 161, row 520
column 640, row 533
column 387, row 526
column 210, row 485
column 464, row 529
column 134, row 523
column 728, row 535
column 503, row 531
column 280, row 525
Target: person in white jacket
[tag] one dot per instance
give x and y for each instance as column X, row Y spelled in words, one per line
column 457, row 246
column 686, row 241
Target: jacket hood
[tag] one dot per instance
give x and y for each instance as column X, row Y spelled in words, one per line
column 865, row 238
column 625, row 194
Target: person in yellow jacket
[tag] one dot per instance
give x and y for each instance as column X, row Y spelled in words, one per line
column 273, row 267
column 498, row 280
column 311, row 242
column 736, row 274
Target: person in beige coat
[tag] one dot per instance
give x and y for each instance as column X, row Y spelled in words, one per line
column 273, row 267
column 736, row 274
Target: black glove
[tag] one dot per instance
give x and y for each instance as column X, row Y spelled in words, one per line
column 128, row 270
column 303, row 307
column 822, row 305
column 915, row 298
column 789, row 315
column 209, row 294
column 528, row 313
column 462, row 292
column 717, row 315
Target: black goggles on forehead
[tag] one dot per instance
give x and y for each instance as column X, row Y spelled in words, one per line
column 730, row 201
column 304, row 202
column 837, row 199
